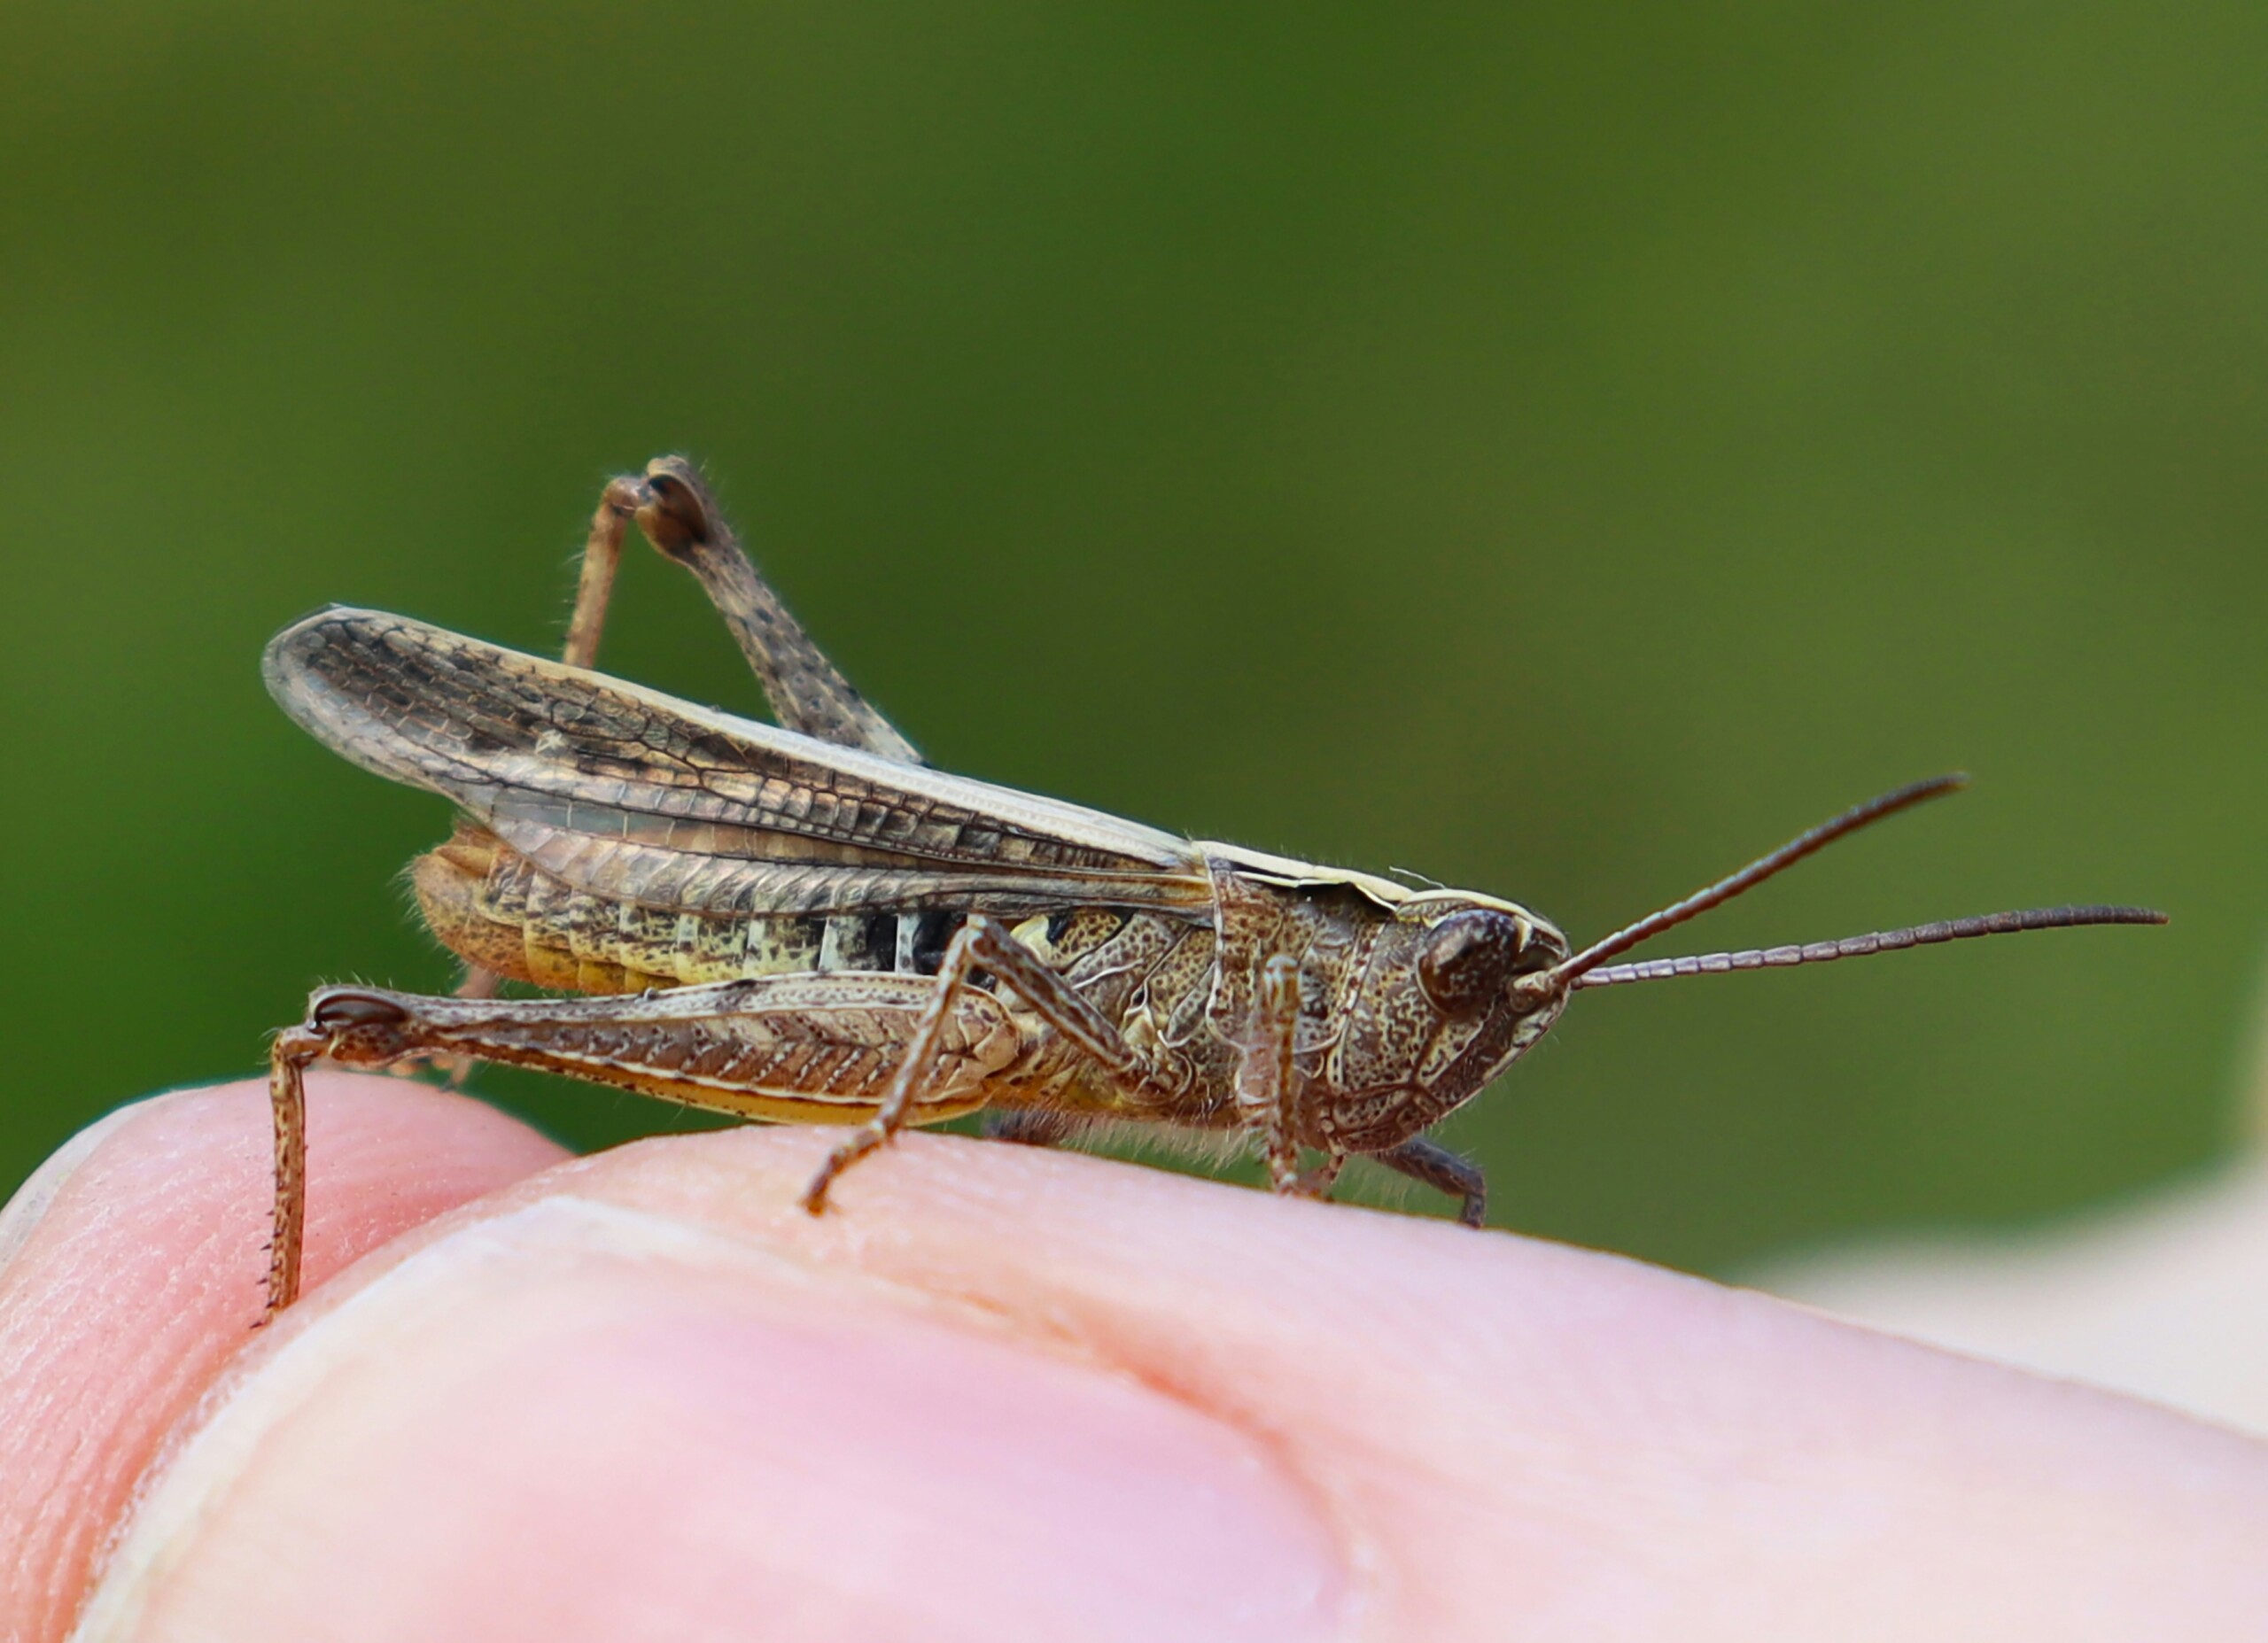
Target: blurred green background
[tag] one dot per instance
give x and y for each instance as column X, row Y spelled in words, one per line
column 1560, row 450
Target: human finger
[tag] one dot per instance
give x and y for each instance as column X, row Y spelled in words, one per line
column 1005, row 1393
column 132, row 1267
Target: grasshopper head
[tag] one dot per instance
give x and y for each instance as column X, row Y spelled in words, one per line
column 1471, row 984
column 1449, row 999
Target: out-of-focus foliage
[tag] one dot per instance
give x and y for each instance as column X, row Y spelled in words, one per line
column 1559, row 450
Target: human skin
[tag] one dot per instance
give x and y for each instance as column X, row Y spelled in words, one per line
column 1000, row 1393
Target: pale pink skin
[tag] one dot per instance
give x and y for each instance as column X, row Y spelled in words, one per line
column 998, row 1393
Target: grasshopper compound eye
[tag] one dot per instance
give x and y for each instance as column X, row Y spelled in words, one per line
column 1467, row 960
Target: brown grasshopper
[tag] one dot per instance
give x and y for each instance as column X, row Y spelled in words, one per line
column 804, row 923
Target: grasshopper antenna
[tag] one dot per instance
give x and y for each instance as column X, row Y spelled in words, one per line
column 1589, row 967
column 1859, row 946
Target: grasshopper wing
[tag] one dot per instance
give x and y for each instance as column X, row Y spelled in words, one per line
column 626, row 792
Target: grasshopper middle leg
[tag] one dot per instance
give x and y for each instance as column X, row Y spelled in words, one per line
column 980, row 944
column 1022, row 1126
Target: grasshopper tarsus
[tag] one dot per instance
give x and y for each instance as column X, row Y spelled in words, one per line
column 288, row 1058
column 803, row 922
column 866, row 1138
column 1317, row 1182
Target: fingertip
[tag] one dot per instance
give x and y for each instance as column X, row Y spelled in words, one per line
column 131, row 1270
column 647, row 1379
column 567, row 1419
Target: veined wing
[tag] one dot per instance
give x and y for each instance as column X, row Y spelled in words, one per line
column 626, row 792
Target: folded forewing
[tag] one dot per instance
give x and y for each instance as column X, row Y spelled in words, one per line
column 626, row 792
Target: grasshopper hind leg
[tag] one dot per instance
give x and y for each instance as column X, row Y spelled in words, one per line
column 455, row 1068
column 672, row 505
column 674, row 508
column 791, row 1048
column 288, row 1059
column 618, row 505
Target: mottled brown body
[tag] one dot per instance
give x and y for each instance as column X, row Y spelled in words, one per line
column 1155, row 979
column 1150, row 975
column 803, row 922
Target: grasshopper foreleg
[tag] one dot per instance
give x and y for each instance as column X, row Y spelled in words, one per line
column 1426, row 1160
column 1268, row 1084
column 980, row 944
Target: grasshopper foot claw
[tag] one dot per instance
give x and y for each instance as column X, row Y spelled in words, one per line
column 865, row 1141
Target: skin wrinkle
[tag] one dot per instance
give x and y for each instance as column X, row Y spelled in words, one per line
column 22, row 1213
column 1056, row 1331
column 50, row 1426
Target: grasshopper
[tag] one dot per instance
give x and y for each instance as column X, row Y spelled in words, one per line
column 806, row 922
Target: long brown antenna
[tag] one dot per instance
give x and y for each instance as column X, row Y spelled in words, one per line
column 1859, row 946
column 1756, row 873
